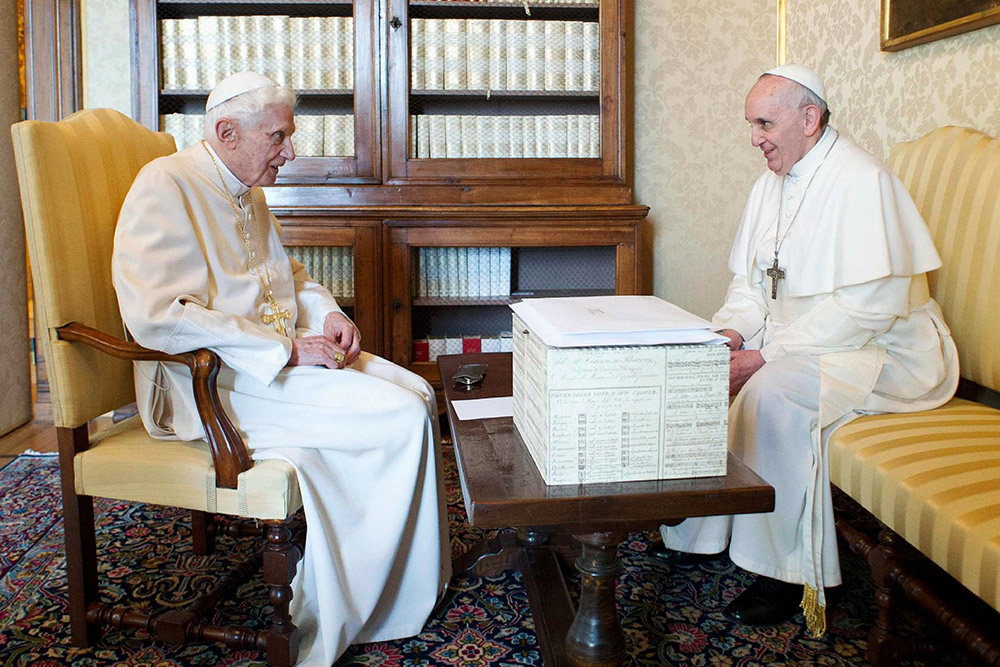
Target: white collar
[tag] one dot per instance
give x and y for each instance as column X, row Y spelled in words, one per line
column 236, row 187
column 808, row 162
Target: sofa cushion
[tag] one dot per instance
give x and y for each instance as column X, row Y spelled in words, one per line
column 934, row 478
column 125, row 463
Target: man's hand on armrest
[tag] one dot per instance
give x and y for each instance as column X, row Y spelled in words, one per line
column 316, row 351
column 343, row 334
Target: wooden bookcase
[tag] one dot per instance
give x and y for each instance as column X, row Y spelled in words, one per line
column 562, row 198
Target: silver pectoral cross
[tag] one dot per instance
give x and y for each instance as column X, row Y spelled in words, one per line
column 775, row 273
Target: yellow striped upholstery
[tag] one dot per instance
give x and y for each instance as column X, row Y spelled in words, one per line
column 953, row 175
column 934, row 477
column 74, row 176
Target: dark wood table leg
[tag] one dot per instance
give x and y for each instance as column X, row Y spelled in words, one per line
column 491, row 556
column 595, row 639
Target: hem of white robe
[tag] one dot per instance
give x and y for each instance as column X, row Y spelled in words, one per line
column 830, row 578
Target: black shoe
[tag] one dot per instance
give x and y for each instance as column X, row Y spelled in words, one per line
column 765, row 602
column 659, row 551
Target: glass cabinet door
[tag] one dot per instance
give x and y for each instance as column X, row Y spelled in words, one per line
column 323, row 50
column 494, row 89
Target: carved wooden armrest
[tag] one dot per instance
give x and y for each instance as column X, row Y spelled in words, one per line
column 229, row 452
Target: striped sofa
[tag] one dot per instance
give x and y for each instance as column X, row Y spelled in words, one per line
column 933, row 478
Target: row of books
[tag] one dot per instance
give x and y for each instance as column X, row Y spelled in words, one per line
column 463, row 272
column 430, row 348
column 498, row 54
column 331, row 266
column 304, row 52
column 467, row 136
column 331, row 135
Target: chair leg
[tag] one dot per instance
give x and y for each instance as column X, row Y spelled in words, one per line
column 203, row 533
column 280, row 562
column 81, row 542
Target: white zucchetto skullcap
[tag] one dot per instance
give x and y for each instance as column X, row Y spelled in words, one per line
column 802, row 76
column 237, row 84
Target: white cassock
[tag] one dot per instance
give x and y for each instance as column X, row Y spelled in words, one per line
column 852, row 331
column 363, row 440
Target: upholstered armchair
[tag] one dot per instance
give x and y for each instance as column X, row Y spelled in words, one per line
column 73, row 176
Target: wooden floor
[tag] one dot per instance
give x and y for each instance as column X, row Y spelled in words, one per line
column 37, row 435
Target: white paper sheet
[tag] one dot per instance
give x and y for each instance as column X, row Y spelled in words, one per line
column 613, row 320
column 484, row 408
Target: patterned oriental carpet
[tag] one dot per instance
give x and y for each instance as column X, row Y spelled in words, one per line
column 671, row 615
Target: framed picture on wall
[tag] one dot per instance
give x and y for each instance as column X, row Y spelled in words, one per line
column 906, row 23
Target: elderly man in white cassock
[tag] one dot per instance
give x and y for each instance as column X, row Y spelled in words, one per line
column 828, row 317
column 198, row 262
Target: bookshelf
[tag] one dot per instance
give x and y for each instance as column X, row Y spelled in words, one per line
column 444, row 131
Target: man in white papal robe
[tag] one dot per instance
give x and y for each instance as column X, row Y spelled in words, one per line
column 198, row 262
column 828, row 317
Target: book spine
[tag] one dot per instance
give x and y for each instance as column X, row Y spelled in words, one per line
column 413, row 136
column 515, row 140
column 504, row 272
column 297, row 37
column 574, row 55
column 277, row 49
column 471, row 345
column 595, row 136
column 529, row 141
column 347, row 52
column 421, row 350
column 187, row 39
column 169, row 54
column 591, row 56
column 438, row 138
column 332, row 72
column 418, row 55
column 423, row 136
column 534, row 55
column 308, row 138
column 475, row 289
column 555, row 55
column 478, row 54
column 422, row 272
column 241, row 43
column 496, row 284
column 435, row 347
column 517, row 54
column 455, row 54
column 462, row 271
column 501, row 131
column 470, row 147
column 453, row 136
column 453, row 345
column 453, row 274
column 434, row 53
column 497, row 55
column 258, row 43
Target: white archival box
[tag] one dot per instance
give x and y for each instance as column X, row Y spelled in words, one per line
column 619, row 389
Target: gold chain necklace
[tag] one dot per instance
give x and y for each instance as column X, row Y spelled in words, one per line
column 775, row 272
column 278, row 315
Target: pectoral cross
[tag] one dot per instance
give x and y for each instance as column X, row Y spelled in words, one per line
column 775, row 274
column 277, row 317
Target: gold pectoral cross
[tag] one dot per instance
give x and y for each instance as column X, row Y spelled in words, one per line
column 775, row 274
column 277, row 317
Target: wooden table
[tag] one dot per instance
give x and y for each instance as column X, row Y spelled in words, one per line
column 503, row 488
